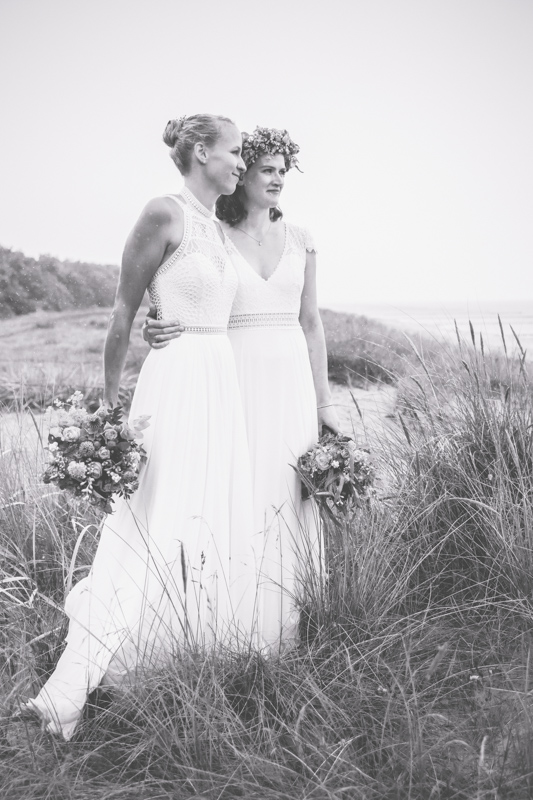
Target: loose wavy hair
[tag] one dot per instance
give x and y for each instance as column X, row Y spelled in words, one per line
column 230, row 208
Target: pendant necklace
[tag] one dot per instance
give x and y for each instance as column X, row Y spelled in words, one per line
column 259, row 241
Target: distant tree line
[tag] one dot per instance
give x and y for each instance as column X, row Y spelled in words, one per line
column 28, row 284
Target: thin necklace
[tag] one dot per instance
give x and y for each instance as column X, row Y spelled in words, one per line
column 259, row 241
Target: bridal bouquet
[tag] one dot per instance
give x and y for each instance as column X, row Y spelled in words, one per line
column 337, row 473
column 94, row 455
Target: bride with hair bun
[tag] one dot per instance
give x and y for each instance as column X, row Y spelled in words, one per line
column 280, row 353
column 174, row 565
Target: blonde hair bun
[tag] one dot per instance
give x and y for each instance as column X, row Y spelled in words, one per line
column 181, row 135
column 172, row 130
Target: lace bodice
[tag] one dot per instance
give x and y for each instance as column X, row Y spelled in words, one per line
column 197, row 284
column 276, row 301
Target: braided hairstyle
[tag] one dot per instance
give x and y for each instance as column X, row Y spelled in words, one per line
column 183, row 133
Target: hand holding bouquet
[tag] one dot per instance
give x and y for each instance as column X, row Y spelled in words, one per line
column 337, row 473
column 94, row 455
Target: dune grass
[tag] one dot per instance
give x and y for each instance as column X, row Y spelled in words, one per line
column 48, row 353
column 363, row 351
column 412, row 679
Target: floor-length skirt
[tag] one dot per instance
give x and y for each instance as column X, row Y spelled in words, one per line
column 279, row 403
column 174, row 565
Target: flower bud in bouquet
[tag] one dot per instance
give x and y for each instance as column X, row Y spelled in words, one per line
column 85, row 449
column 77, row 470
column 110, row 434
column 322, row 459
column 336, row 473
column 93, row 423
column 94, row 469
column 71, row 434
column 77, row 416
column 93, row 455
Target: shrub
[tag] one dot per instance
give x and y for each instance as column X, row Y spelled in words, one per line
column 27, row 284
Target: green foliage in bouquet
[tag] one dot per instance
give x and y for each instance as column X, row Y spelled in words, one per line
column 94, row 455
column 337, row 474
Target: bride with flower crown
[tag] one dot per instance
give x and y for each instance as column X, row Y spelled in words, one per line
column 280, row 353
column 174, row 564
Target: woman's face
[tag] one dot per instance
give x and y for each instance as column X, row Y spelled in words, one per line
column 224, row 164
column 263, row 181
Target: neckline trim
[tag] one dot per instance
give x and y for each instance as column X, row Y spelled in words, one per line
column 193, row 201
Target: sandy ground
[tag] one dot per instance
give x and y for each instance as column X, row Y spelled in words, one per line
column 366, row 414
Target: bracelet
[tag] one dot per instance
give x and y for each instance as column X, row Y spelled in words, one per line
column 328, row 405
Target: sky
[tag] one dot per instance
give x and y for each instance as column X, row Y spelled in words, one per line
column 414, row 118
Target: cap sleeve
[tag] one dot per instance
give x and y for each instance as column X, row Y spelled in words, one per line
column 309, row 241
column 299, row 239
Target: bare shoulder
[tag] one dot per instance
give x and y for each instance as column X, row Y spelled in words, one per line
column 162, row 209
column 161, row 216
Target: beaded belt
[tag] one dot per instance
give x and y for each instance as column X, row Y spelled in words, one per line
column 266, row 320
column 204, row 329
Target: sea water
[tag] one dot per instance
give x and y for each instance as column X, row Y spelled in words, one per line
column 440, row 321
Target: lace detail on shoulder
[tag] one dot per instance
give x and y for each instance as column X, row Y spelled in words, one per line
column 302, row 238
column 309, row 242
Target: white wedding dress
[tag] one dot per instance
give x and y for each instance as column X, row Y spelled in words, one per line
column 174, row 565
column 279, row 403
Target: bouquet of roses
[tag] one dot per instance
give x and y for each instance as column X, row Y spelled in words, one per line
column 94, row 455
column 337, row 473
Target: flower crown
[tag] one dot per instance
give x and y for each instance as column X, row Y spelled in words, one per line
column 269, row 141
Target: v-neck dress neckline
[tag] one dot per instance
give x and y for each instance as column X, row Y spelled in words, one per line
column 265, row 280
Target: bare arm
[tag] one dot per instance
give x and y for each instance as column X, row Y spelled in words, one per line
column 316, row 344
column 145, row 250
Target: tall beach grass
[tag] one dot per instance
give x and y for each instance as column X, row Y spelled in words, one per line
column 412, row 678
